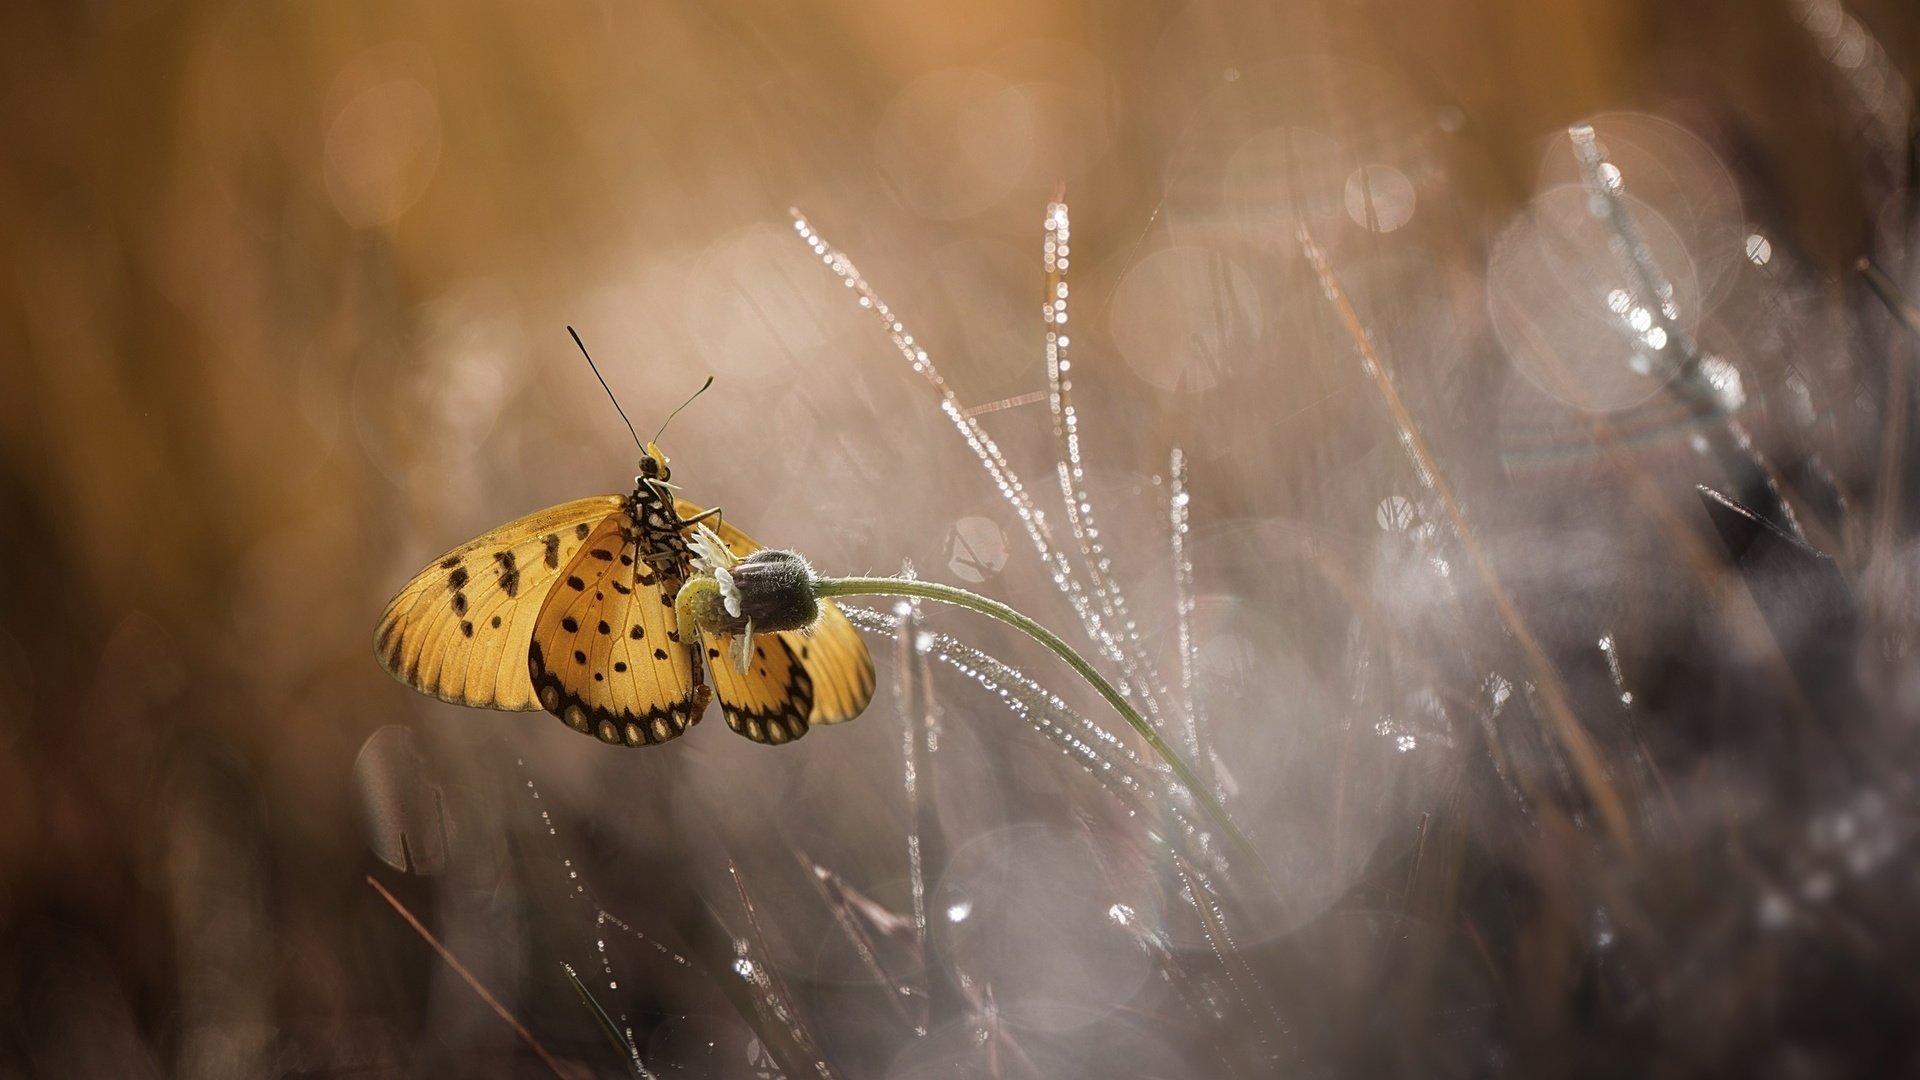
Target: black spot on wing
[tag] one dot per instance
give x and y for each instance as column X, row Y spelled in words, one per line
column 458, row 579
column 770, row 728
column 553, row 551
column 581, row 530
column 509, row 573
column 449, row 562
column 570, row 625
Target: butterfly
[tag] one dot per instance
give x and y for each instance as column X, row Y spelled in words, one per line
column 571, row 610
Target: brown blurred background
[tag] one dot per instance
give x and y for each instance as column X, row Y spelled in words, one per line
column 285, row 294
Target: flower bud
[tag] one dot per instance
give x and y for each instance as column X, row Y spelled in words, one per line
column 765, row 592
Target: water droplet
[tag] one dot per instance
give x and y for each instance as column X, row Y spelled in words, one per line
column 1725, row 379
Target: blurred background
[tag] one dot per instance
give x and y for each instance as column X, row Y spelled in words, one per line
column 1557, row 766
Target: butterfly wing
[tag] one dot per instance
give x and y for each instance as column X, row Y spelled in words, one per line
column 605, row 655
column 770, row 701
column 459, row 631
column 837, row 658
column 832, row 656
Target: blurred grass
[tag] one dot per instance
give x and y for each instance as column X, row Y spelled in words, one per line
column 285, row 292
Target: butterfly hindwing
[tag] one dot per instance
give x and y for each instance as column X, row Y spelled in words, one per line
column 832, row 655
column 770, row 701
column 459, row 631
column 841, row 667
column 606, row 655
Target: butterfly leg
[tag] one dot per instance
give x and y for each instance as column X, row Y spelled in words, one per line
column 703, row 515
column 661, row 559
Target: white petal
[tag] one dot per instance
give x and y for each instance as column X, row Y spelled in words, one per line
column 743, row 648
column 709, row 551
column 729, row 592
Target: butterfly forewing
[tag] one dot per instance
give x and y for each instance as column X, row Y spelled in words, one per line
column 606, row 655
column 460, row 629
column 838, row 667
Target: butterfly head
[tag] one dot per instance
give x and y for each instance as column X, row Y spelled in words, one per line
column 653, row 466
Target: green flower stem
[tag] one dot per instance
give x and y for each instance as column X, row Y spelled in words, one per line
column 949, row 594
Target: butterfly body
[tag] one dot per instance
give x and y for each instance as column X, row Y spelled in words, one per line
column 571, row 610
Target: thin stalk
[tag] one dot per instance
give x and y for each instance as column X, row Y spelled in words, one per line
column 1889, row 293
column 1573, row 737
column 474, row 984
column 949, row 594
column 607, row 1027
column 1886, row 510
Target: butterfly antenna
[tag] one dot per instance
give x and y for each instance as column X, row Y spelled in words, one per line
column 684, row 404
column 609, row 389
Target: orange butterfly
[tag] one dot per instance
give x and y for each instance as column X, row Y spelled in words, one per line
column 571, row 610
